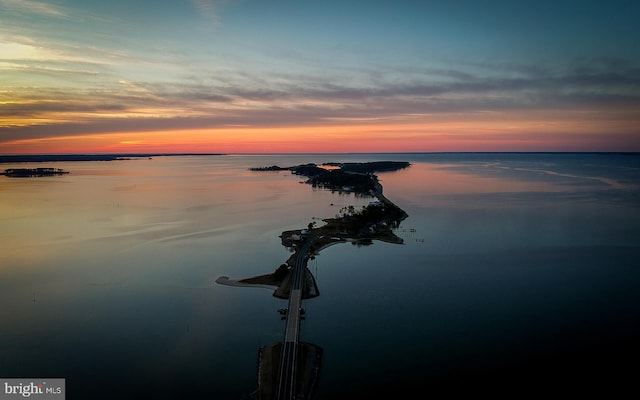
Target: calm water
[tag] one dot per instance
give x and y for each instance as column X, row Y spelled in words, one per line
column 518, row 272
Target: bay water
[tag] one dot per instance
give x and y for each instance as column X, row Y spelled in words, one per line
column 518, row 272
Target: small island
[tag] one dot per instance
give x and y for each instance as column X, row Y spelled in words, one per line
column 33, row 172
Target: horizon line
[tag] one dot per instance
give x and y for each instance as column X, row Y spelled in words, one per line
column 160, row 154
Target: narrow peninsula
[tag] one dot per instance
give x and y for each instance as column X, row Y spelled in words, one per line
column 359, row 226
column 290, row 369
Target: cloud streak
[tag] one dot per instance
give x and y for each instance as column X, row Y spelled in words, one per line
column 585, row 88
column 34, row 7
column 209, row 9
column 149, row 107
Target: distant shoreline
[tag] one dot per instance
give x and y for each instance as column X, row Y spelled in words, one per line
column 36, row 158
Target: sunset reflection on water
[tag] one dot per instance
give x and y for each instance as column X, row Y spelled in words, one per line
column 109, row 271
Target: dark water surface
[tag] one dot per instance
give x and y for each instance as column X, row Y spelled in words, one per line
column 519, row 274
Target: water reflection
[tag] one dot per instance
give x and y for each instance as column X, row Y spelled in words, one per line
column 521, row 276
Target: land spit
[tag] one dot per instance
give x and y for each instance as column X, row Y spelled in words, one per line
column 360, row 227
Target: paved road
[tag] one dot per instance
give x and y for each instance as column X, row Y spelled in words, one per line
column 286, row 389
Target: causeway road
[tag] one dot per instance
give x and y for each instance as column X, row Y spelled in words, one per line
column 287, row 387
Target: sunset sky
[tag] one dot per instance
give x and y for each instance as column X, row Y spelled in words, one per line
column 88, row 76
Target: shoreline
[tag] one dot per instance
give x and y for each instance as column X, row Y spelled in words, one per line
column 41, row 158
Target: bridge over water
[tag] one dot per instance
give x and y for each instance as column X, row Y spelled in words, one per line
column 289, row 370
